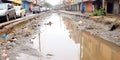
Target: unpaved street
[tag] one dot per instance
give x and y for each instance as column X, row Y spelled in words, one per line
column 44, row 38
column 18, row 45
column 58, row 36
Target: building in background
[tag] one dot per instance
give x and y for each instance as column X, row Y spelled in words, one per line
column 75, row 4
column 29, row 4
column 89, row 6
column 68, row 5
column 17, row 2
column 79, row 4
column 110, row 6
column 71, row 5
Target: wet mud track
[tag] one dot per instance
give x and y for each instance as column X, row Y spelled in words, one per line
column 19, row 41
column 44, row 38
column 99, row 29
column 55, row 36
column 56, row 40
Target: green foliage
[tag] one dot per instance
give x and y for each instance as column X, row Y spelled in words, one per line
column 46, row 4
column 99, row 12
column 95, row 13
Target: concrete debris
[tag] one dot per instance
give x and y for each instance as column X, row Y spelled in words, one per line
column 17, row 39
column 80, row 23
column 4, row 55
column 49, row 23
column 5, row 36
column 49, row 54
column 99, row 27
column 115, row 26
column 92, row 27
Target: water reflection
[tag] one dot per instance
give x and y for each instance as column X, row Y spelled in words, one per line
column 92, row 47
column 27, row 57
column 61, row 40
column 65, row 42
column 55, row 40
column 95, row 48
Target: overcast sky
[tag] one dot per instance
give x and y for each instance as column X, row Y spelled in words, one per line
column 53, row 2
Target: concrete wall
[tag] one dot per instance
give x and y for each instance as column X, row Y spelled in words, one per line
column 95, row 48
column 116, row 7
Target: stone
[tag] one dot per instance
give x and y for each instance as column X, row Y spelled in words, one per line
column 80, row 23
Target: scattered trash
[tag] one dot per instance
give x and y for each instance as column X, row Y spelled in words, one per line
column 26, row 35
column 80, row 23
column 49, row 54
column 5, row 36
column 38, row 24
column 7, row 58
column 50, row 23
column 115, row 26
column 92, row 27
column 13, row 39
column 5, row 55
column 9, row 45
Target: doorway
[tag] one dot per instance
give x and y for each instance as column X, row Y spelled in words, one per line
column 109, row 7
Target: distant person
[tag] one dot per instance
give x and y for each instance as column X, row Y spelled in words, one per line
column 93, row 8
column 30, row 10
column 83, row 9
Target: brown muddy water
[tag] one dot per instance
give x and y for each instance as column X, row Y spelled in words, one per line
column 60, row 39
column 95, row 48
column 56, row 43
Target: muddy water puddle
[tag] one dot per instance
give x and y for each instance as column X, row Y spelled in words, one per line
column 56, row 43
column 27, row 57
column 59, row 39
column 53, row 41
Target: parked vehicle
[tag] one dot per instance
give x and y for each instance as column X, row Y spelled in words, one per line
column 43, row 9
column 36, row 9
column 7, row 11
column 20, row 11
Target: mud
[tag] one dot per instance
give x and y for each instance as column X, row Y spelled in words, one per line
column 19, row 39
column 100, row 29
column 19, row 43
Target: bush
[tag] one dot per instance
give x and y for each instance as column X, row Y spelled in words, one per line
column 95, row 13
column 99, row 12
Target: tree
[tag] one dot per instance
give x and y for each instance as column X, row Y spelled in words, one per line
column 46, row 4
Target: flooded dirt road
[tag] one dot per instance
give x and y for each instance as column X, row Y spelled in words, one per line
column 58, row 37
column 56, row 43
column 92, row 46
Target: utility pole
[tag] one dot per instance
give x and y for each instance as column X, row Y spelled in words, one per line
column 103, row 4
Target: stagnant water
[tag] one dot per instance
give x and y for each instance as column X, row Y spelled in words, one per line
column 61, row 40
column 56, row 43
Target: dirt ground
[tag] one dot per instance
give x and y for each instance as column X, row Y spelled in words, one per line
column 19, row 36
column 19, row 39
column 96, row 28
